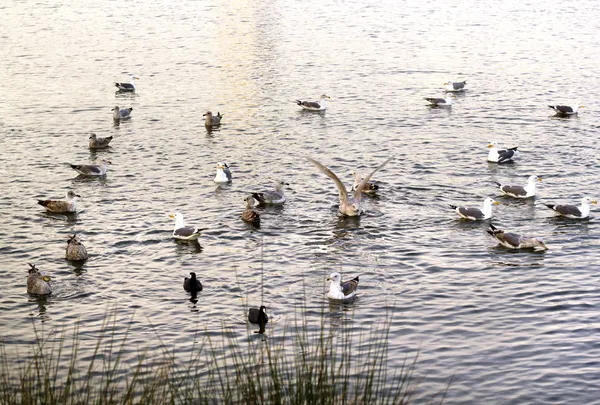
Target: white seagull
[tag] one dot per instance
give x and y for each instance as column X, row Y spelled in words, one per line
column 476, row 214
column 320, row 105
column 519, row 191
column 182, row 232
column 127, row 87
column 573, row 211
column 496, row 155
column 339, row 290
column 223, row 173
column 566, row 109
column 455, row 86
column 441, row 102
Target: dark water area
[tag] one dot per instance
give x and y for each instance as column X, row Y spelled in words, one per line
column 508, row 327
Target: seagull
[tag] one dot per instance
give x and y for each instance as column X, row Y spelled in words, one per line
column 37, row 283
column 258, row 316
column 212, row 120
column 223, row 173
column 516, row 241
column 271, row 197
column 339, row 290
column 61, row 206
column 566, row 109
column 92, row 170
column 127, row 87
column 501, row 155
column 121, row 115
column 441, row 102
column 75, row 249
column 320, row 105
column 182, row 232
column 518, row 191
column 455, row 86
column 99, row 143
column 192, row 284
column 368, row 188
column 349, row 204
column 476, row 214
column 249, row 215
column 573, row 211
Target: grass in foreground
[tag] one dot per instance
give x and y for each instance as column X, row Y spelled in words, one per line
column 297, row 365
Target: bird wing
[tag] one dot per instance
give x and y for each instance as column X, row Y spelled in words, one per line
column 436, row 100
column 505, row 154
column 471, row 212
column 186, row 231
column 310, row 104
column 567, row 210
column 362, row 184
column 514, row 190
column 340, row 186
column 348, row 287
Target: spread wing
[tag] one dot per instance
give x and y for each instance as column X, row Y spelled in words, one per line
column 362, row 184
column 340, row 186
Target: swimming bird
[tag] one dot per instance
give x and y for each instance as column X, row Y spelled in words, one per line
column 441, row 102
column 320, row 105
column 573, row 211
column 212, row 120
column 99, row 143
column 223, row 173
column 519, row 191
column 37, row 283
column 501, row 155
column 271, row 197
column 566, row 109
column 92, row 170
column 192, row 284
column 455, row 86
column 476, row 214
column 127, row 87
column 516, row 241
column 369, row 188
column 61, row 206
column 75, row 249
column 121, row 114
column 249, row 215
column 182, row 232
column 339, row 290
column 258, row 316
column 349, row 204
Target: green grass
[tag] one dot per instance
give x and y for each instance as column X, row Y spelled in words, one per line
column 298, row 363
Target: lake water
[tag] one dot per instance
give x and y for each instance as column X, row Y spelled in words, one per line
column 509, row 327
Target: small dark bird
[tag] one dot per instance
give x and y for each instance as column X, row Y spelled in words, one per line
column 212, row 120
column 249, row 215
column 258, row 317
column 75, row 249
column 192, row 284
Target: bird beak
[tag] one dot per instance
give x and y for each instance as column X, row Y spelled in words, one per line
column 539, row 179
column 544, row 245
column 496, row 203
column 328, row 278
column 46, row 278
column 171, row 215
column 490, row 145
column 109, row 162
column 204, row 115
column 594, row 202
column 581, row 106
column 136, row 78
column 77, row 195
column 112, row 109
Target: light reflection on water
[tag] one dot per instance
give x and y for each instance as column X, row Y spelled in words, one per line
column 490, row 317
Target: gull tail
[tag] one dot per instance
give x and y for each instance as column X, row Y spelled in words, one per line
column 550, row 206
column 498, row 184
column 453, row 206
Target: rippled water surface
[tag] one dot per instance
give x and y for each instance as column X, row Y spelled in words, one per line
column 510, row 327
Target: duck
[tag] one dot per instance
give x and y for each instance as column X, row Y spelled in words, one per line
column 99, row 143
column 339, row 290
column 37, row 283
column 66, row 206
column 75, row 249
column 476, row 214
column 258, row 316
column 192, row 284
column 249, row 215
